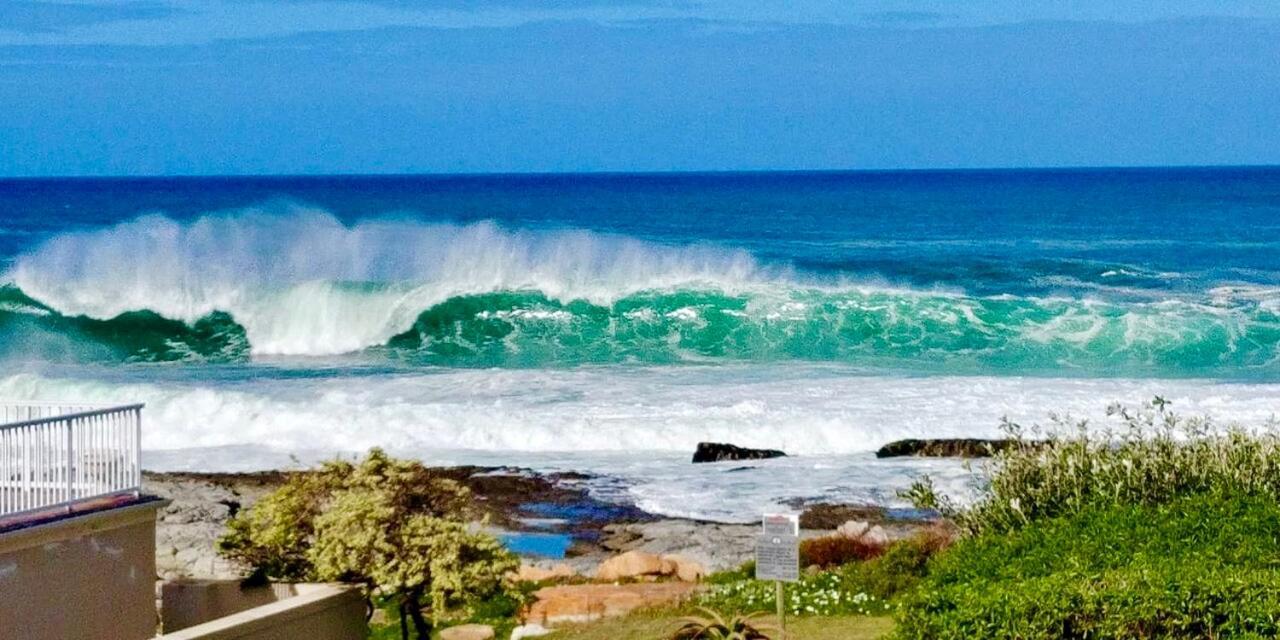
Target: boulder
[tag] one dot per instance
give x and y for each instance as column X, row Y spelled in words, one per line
column 684, row 569
column 468, row 632
column 865, row 531
column 718, row 452
column 529, row 631
column 586, row 602
column 877, row 535
column 534, row 573
column 946, row 448
column 853, row 529
column 631, row 564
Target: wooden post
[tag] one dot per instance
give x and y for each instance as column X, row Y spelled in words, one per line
column 782, row 608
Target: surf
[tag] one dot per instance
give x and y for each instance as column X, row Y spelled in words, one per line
column 238, row 286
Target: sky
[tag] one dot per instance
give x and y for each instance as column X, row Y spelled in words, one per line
column 216, row 87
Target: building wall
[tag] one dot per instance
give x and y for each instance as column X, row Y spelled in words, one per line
column 187, row 603
column 318, row 612
column 88, row 576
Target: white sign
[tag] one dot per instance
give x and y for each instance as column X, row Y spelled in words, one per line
column 778, row 548
column 778, row 558
column 787, row 524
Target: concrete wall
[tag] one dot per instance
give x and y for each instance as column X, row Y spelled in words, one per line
column 187, row 603
column 317, row 612
column 88, row 576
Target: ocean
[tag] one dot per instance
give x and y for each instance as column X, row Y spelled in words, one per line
column 608, row 322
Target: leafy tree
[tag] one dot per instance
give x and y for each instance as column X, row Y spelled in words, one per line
column 389, row 525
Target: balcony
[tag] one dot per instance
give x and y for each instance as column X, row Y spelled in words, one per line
column 57, row 459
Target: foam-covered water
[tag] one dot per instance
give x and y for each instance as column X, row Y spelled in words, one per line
column 635, row 426
column 609, row 323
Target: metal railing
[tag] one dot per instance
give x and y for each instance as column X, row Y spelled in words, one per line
column 57, row 455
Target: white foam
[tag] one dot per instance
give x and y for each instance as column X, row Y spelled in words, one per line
column 303, row 283
column 636, row 425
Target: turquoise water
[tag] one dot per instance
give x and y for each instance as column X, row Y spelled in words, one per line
column 608, row 323
column 1097, row 273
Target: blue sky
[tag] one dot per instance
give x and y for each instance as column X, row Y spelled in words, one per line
column 154, row 87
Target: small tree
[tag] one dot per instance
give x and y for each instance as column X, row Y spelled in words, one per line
column 390, row 525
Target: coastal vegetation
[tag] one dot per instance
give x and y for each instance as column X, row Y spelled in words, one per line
column 710, row 625
column 1150, row 525
column 1158, row 526
column 388, row 525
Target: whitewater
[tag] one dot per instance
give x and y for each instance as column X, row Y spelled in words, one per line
column 593, row 324
column 302, row 283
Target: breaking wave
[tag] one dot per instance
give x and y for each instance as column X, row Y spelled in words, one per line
column 235, row 286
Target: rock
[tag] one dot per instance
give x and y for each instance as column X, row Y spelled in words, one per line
column 619, row 538
column 715, row 546
column 717, row 452
column 631, row 564
column 865, row 531
column 668, row 566
column 684, row 569
column 467, row 632
column 946, row 448
column 534, row 573
column 825, row 515
column 587, row 602
column 529, row 631
column 853, row 529
column 877, row 535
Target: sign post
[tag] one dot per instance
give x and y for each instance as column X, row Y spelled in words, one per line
column 778, row 557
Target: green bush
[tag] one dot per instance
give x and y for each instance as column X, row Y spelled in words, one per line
column 901, row 567
column 1147, row 456
column 1204, row 566
column 389, row 525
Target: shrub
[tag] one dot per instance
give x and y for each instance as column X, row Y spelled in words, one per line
column 835, row 550
column 900, row 568
column 389, row 525
column 717, row 627
column 1149, row 457
column 1202, row 566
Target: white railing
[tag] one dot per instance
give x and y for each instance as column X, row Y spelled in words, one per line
column 57, row 455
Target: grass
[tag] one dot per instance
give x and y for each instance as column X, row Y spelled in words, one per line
column 659, row 625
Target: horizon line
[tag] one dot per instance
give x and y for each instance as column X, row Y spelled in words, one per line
column 650, row 172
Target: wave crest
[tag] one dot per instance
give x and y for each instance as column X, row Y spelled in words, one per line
column 227, row 287
column 301, row 282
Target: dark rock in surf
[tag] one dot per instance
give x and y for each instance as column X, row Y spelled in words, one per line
column 719, row 452
column 947, row 448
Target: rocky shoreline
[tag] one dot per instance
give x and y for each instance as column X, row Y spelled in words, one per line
column 515, row 502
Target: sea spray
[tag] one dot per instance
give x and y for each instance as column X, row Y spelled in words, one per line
column 303, row 282
column 228, row 287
